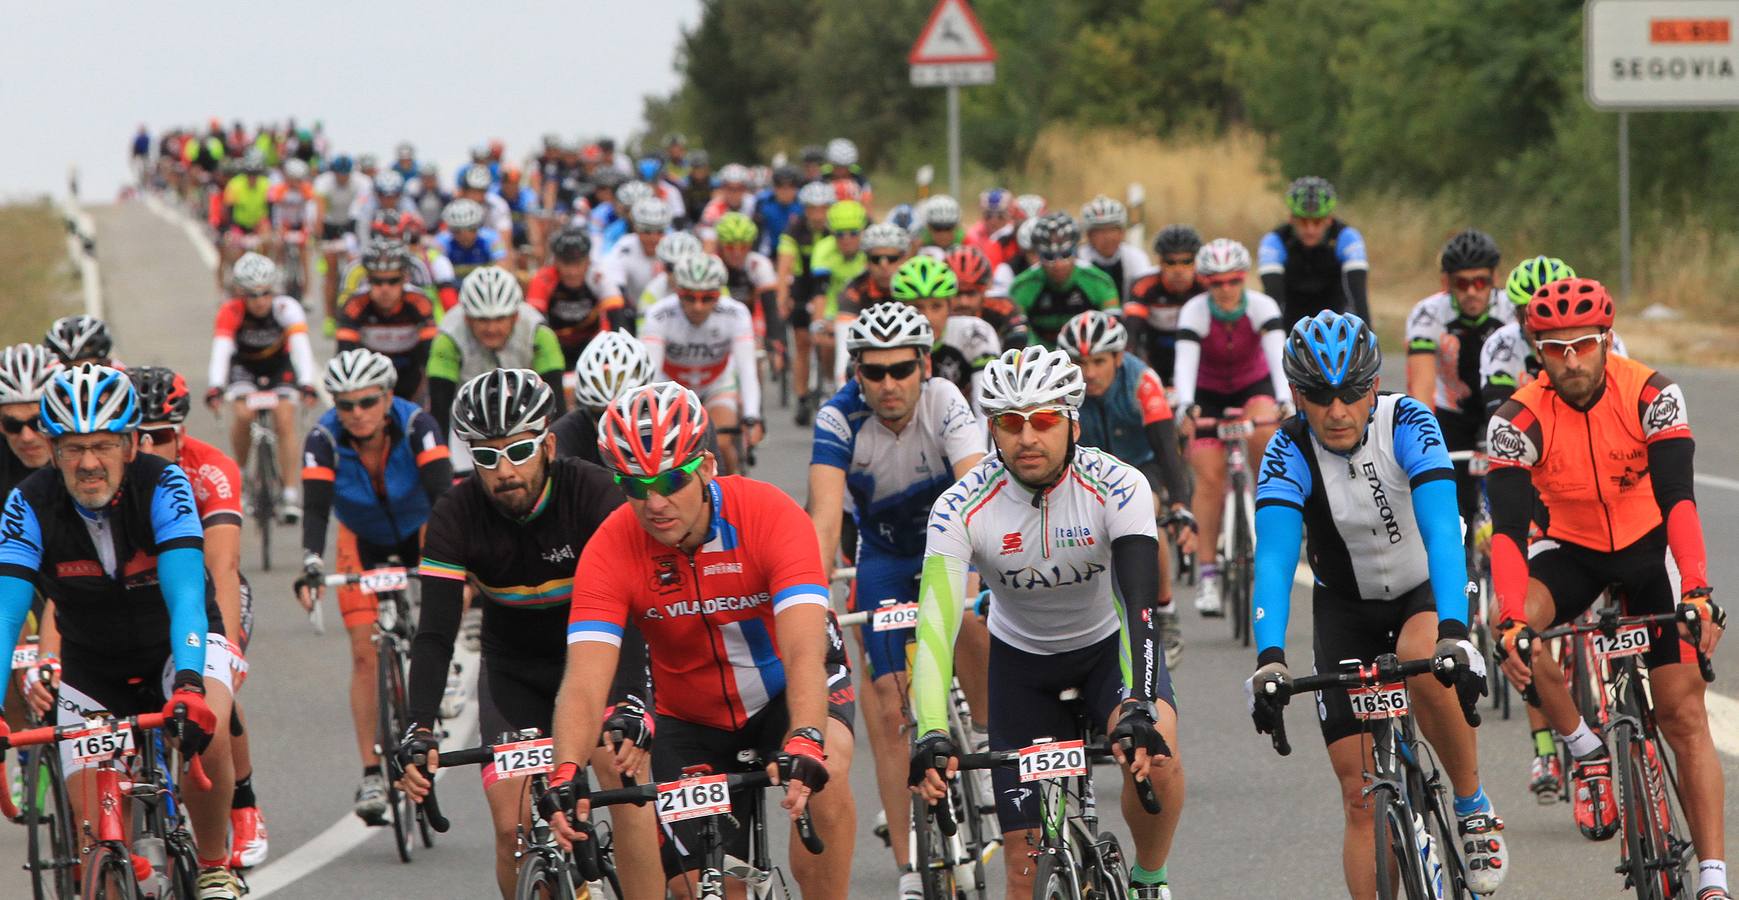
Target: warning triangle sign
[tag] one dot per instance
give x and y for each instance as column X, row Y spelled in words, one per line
column 952, row 35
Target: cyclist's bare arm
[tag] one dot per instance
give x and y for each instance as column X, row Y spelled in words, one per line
column 1422, row 377
column 826, row 505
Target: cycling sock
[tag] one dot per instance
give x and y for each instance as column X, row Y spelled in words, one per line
column 1712, row 873
column 1543, row 743
column 1583, row 741
column 220, row 863
column 1478, row 802
column 244, row 794
column 1147, row 876
column 1209, row 570
column 371, row 770
column 1166, row 607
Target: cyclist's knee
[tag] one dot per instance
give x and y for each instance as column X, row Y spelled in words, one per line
column 1681, row 713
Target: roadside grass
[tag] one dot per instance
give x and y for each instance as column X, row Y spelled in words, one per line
column 40, row 285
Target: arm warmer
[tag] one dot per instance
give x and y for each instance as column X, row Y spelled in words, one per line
column 1135, row 562
column 1274, row 285
column 1282, row 527
column 15, row 597
column 1669, row 465
column 181, row 577
column 432, row 649
column 553, row 378
column 222, row 349
column 302, row 359
column 1186, row 358
column 437, row 477
column 1436, row 510
column 316, row 507
column 941, row 593
column 1358, row 299
column 1511, row 491
column 1273, row 347
column 1162, row 437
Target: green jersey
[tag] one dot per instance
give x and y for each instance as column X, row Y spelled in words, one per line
column 830, row 270
column 1049, row 306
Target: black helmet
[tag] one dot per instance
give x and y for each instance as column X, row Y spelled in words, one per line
column 812, row 154
column 1177, row 239
column 79, row 337
column 787, row 175
column 571, row 245
column 1470, row 249
column 501, row 403
column 698, row 159
column 1330, row 350
column 163, row 395
column 1056, row 236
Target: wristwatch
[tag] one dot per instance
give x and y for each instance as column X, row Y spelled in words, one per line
column 813, row 734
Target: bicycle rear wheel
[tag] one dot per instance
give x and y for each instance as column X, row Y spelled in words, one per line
column 109, row 875
column 1055, row 878
column 541, row 879
column 1653, row 867
column 931, row 862
column 1240, row 565
column 48, row 817
column 390, row 700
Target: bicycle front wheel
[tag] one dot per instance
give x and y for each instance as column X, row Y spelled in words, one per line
column 1240, row 565
column 109, row 875
column 1400, row 864
column 1652, row 865
column 390, row 700
column 48, row 817
column 1055, row 878
column 931, row 862
column 541, row 878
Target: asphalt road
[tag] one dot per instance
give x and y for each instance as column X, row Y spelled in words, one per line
column 1255, row 825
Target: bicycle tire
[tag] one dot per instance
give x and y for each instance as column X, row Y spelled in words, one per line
column 1113, row 870
column 48, row 818
column 183, row 866
column 1052, row 879
column 109, row 875
column 266, row 493
column 1399, row 872
column 1647, row 841
column 389, row 713
column 931, row 862
column 539, row 879
column 1242, row 563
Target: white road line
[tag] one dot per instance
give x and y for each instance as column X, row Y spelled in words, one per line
column 1719, row 482
column 82, row 230
column 195, row 234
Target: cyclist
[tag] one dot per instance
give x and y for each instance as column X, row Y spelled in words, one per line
column 389, row 319
column 972, row 273
column 164, row 402
column 1060, row 286
column 387, row 195
column 1609, row 440
column 895, row 438
column 1022, row 516
column 127, row 645
column 1313, row 261
column 1445, row 335
column 1107, row 223
column 493, row 328
column 427, row 192
column 763, row 584
column 466, row 240
column 796, row 283
column 706, row 342
column 672, row 247
column 995, row 214
column 25, row 371
column 749, row 276
column 1126, row 415
column 478, row 185
column 260, row 343
column 837, row 259
column 844, row 174
column 885, row 247
column 514, row 528
column 1507, row 360
column 695, row 188
column 294, row 212
column 377, row 463
column 1152, row 310
column 1228, row 358
column 578, row 299
column 732, row 196
column 941, row 215
column 245, row 209
column 777, row 208
column 631, row 264
column 335, row 191
column 961, row 345
column 76, row 340
column 1390, row 576
column 613, row 364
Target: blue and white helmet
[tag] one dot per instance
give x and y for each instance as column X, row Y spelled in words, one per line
column 1331, row 350
column 90, row 399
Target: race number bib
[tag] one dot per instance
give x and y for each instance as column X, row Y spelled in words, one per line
column 24, row 656
column 899, row 615
column 1057, row 759
column 102, row 744
column 1629, row 641
column 1387, row 701
column 525, row 758
column 259, row 400
column 378, row 581
column 693, row 798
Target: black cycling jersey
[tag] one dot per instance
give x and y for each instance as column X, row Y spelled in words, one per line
column 12, row 469
column 1313, row 279
column 1151, row 317
column 577, row 435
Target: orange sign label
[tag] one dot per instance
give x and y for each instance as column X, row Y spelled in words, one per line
column 1689, row 31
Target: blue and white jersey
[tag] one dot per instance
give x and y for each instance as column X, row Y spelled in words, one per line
column 894, row 478
column 1349, row 251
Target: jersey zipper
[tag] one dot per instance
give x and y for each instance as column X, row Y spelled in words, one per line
column 1045, row 521
column 1594, row 468
column 713, row 635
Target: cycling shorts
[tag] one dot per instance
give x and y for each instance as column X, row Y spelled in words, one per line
column 91, row 684
column 721, row 391
column 336, row 231
column 515, row 693
column 1214, row 404
column 1462, row 432
column 1357, row 629
column 1645, row 572
column 355, row 556
column 1024, row 707
column 881, row 577
column 800, row 316
column 244, row 379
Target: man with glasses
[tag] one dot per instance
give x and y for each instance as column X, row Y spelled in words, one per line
column 837, row 260
column 1154, row 303
column 466, row 240
column 1064, row 538
column 705, row 565
column 1060, row 286
column 1390, row 577
column 895, row 438
column 25, row 370
column 580, row 299
column 705, row 342
column 377, row 463
column 1313, row 261
column 260, row 343
column 885, row 247
column 515, row 529
column 750, row 278
column 1606, row 442
column 389, row 319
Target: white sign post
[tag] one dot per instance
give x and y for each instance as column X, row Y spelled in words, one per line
column 952, row 51
column 1657, row 55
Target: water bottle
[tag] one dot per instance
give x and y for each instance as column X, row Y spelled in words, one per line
column 154, row 886
column 1428, row 856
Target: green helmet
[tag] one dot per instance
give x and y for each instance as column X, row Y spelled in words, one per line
column 1531, row 274
column 736, row 228
column 924, row 277
column 847, row 215
column 1310, row 197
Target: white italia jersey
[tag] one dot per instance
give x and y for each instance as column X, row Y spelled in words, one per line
column 1047, row 565
column 703, row 357
column 628, row 265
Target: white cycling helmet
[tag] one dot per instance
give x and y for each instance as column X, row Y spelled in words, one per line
column 676, row 245
column 490, row 292
column 889, row 326
column 502, row 403
column 886, row 236
column 612, row 364
column 734, row 173
column 699, row 272
column 254, row 273
column 463, row 215
column 1029, row 378
column 90, row 399
column 1220, row 256
column 650, row 214
column 24, row 372
column 1104, row 212
column 1094, row 331
column 1023, row 233
column 941, row 212
column 815, row 193
column 631, row 193
column 477, row 177
column 389, row 182
column 1030, row 206
column 841, row 152
column 354, row 370
column 295, row 169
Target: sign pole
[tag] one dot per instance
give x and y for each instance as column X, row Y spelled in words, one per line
column 1624, row 205
column 954, row 140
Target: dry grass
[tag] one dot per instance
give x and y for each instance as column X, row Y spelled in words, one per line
column 39, row 285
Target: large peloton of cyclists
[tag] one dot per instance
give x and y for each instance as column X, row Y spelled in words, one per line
column 547, row 389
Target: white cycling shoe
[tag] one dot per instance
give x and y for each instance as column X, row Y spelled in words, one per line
column 1208, row 597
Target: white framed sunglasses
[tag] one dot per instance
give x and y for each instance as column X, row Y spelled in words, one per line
column 1570, row 349
column 517, row 453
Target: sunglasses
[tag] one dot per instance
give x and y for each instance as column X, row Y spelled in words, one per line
column 1055, row 255
column 849, row 233
column 699, row 296
column 1175, row 261
column 364, row 403
column 884, row 258
column 1347, row 393
column 875, row 372
column 1041, row 420
column 399, row 280
column 255, row 295
column 639, row 487
column 1224, row 280
column 517, row 453
column 163, row 435
column 1476, row 283
column 1570, row 349
column 17, row 426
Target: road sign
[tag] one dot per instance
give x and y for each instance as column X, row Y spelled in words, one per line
column 952, row 50
column 1662, row 54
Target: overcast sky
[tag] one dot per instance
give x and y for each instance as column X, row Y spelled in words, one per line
column 77, row 78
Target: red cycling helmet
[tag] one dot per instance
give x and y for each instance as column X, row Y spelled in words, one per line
column 970, row 266
column 652, row 429
column 1570, row 303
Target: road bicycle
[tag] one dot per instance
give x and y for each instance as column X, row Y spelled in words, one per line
column 1418, row 850
column 1655, row 854
column 1237, row 539
column 266, row 484
column 44, row 809
column 294, row 265
column 1480, row 600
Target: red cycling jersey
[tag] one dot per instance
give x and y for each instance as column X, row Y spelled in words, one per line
column 707, row 616
column 217, row 482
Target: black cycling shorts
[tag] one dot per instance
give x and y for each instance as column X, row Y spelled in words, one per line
column 330, row 231
column 1644, row 571
column 1214, row 404
column 1024, row 707
column 1361, row 630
